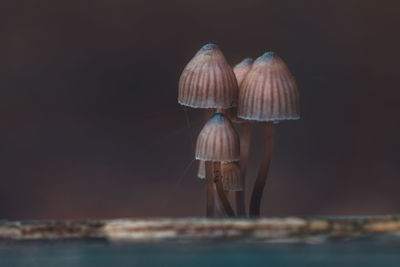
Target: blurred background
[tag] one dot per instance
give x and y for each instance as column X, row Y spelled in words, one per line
column 91, row 127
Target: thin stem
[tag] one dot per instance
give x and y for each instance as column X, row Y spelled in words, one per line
column 217, row 179
column 210, row 190
column 258, row 189
column 244, row 154
column 218, row 205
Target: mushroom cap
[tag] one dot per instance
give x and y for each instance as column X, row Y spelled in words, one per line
column 201, row 172
column 218, row 141
column 231, row 178
column 241, row 69
column 269, row 91
column 208, row 81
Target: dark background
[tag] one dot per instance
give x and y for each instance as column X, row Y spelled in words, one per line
column 91, row 128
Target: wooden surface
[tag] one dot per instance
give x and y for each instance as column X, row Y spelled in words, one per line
column 290, row 229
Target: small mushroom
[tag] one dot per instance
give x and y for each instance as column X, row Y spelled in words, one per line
column 267, row 94
column 208, row 82
column 218, row 142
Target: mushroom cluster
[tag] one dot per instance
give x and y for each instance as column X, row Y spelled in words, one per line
column 260, row 91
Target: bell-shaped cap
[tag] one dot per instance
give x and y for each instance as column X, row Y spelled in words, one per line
column 218, row 141
column 231, row 178
column 269, row 91
column 201, row 172
column 208, row 81
column 240, row 70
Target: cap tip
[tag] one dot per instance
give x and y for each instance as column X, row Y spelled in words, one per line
column 218, row 116
column 248, row 60
column 267, row 57
column 209, row 46
column 245, row 62
column 269, row 54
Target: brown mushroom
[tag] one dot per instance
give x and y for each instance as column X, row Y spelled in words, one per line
column 267, row 94
column 218, row 142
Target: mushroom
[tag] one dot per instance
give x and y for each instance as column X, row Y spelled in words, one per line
column 218, row 142
column 241, row 71
column 208, row 82
column 267, row 94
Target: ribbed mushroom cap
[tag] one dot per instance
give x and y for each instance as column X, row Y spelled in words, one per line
column 218, row 141
column 240, row 70
column 269, row 92
column 201, row 172
column 208, row 81
column 231, row 178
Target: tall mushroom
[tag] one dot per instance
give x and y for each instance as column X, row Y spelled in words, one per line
column 218, row 142
column 208, row 82
column 241, row 71
column 268, row 94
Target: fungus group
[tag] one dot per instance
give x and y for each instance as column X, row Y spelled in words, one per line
column 262, row 91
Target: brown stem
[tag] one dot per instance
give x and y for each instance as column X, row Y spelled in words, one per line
column 210, row 190
column 218, row 205
column 221, row 110
column 244, row 154
column 258, row 189
column 217, row 179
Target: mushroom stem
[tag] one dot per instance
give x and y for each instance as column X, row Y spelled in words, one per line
column 220, row 189
column 244, row 154
column 210, row 191
column 218, row 206
column 258, row 189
